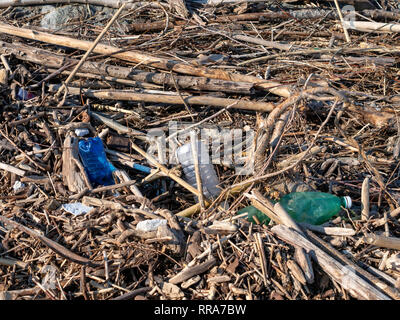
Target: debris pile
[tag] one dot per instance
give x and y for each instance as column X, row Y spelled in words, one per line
column 145, row 147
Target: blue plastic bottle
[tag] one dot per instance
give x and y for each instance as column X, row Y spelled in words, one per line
column 98, row 168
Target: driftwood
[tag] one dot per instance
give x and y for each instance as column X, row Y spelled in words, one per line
column 89, row 51
column 372, row 26
column 332, row 231
column 170, row 99
column 156, row 62
column 192, row 271
column 382, row 241
column 116, row 73
column 9, row 168
column 382, row 221
column 107, row 3
column 164, row 64
column 74, row 174
column 56, row 247
column 278, row 214
column 365, row 199
column 357, row 287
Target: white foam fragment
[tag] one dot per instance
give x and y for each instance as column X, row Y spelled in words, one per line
column 150, row 225
column 18, row 185
column 76, row 208
column 81, row 132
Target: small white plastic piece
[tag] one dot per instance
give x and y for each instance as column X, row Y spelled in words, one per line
column 18, row 185
column 150, row 225
column 76, row 208
column 348, row 202
column 81, row 132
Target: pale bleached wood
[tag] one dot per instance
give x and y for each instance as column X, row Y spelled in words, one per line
column 74, row 175
column 382, row 221
column 366, row 26
column 346, row 34
column 382, row 241
column 332, row 231
column 365, row 199
column 191, row 271
column 342, row 274
column 9, row 168
column 107, row 3
column 169, row 99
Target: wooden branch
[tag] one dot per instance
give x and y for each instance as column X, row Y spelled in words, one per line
column 13, row 262
column 382, row 241
column 74, row 175
column 365, row 199
column 332, row 231
column 279, row 215
column 346, row 33
column 90, row 50
column 132, row 294
column 56, row 247
column 169, row 99
column 145, row 59
column 195, row 155
column 107, row 3
column 269, row 44
column 263, row 260
column 368, row 274
column 9, row 168
column 382, row 221
column 192, row 271
column 350, row 281
column 177, row 243
column 367, row 26
column 116, row 73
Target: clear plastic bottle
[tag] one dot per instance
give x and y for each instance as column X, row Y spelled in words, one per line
column 208, row 175
column 98, row 168
column 310, row 207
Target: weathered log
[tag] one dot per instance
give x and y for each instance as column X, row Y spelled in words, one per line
column 348, row 279
column 192, row 271
column 107, row 3
column 382, row 241
column 169, row 99
column 74, row 174
column 52, row 60
column 367, row 26
column 146, row 59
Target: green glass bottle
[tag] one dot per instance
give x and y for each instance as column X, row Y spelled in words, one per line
column 310, row 207
column 251, row 212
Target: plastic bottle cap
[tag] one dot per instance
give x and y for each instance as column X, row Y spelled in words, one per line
column 348, row 202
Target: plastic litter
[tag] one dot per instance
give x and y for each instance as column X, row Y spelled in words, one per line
column 36, row 148
column 208, row 175
column 18, row 185
column 24, row 95
column 81, row 132
column 141, row 168
column 76, row 208
column 310, row 207
column 150, row 225
column 98, row 168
